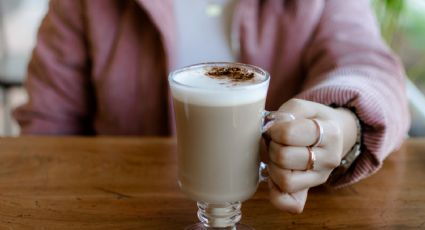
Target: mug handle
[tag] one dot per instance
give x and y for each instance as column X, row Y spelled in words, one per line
column 269, row 117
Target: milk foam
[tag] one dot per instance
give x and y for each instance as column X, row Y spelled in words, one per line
column 194, row 86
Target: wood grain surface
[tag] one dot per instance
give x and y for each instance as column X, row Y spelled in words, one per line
column 130, row 183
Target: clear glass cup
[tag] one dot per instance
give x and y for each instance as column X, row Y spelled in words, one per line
column 218, row 133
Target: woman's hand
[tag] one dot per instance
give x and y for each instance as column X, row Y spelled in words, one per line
column 289, row 155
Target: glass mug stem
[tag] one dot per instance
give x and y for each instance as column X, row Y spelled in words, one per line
column 219, row 216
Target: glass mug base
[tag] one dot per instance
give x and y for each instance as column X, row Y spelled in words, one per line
column 200, row 226
column 225, row 216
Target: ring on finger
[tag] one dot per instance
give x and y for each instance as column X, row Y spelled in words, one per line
column 311, row 159
column 319, row 133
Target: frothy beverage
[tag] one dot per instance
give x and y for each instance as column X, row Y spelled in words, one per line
column 219, row 117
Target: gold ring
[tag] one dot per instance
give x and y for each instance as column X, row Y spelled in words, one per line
column 311, row 159
column 319, row 133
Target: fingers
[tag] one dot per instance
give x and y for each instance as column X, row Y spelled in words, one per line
column 290, row 158
column 297, row 158
column 291, row 181
column 302, row 132
column 293, row 203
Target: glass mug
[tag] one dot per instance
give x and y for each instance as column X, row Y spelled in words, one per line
column 219, row 130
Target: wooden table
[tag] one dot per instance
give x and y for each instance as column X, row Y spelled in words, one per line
column 130, row 183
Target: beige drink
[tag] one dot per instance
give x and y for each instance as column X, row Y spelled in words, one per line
column 218, row 157
column 219, row 123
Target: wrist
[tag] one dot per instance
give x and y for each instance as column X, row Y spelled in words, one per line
column 352, row 154
column 349, row 124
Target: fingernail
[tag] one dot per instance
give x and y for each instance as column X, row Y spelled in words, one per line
column 267, row 126
column 281, row 116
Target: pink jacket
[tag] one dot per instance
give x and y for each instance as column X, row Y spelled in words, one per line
column 100, row 67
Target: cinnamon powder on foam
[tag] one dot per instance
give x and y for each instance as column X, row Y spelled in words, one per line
column 232, row 73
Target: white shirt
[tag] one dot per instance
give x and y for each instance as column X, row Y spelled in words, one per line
column 203, row 31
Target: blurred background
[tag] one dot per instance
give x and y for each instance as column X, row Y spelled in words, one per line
column 402, row 24
column 19, row 21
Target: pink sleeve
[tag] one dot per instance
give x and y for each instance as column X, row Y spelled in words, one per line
column 58, row 81
column 350, row 66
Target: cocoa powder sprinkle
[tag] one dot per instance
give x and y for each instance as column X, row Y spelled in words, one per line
column 234, row 74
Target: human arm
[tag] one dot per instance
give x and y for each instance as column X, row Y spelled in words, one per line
column 58, row 83
column 348, row 66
